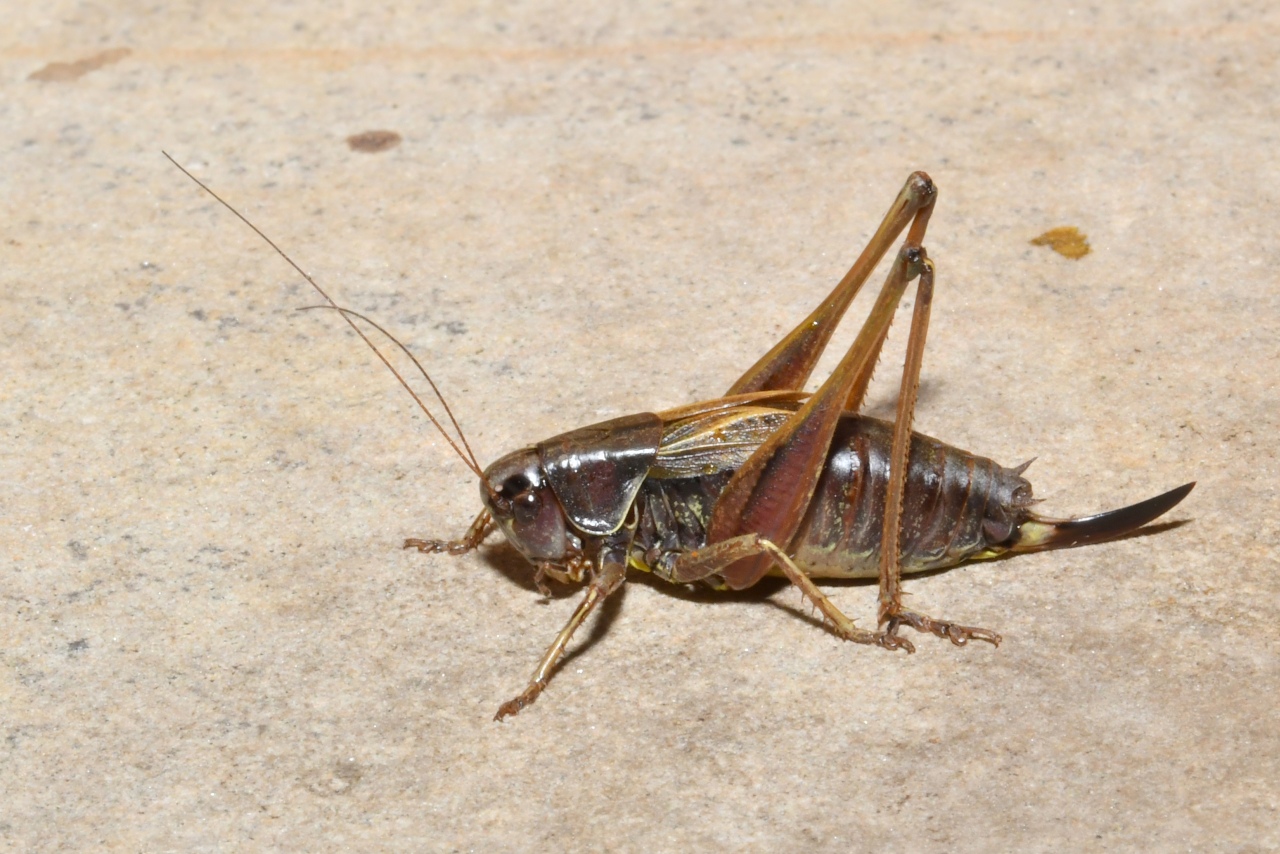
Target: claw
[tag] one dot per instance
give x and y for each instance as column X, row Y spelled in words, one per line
column 889, row 639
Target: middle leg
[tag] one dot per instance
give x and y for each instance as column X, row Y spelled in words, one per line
column 705, row 562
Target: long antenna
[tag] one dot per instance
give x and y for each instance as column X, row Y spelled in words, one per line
column 469, row 458
column 349, row 313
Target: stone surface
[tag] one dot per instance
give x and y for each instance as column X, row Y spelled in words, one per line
column 209, row 637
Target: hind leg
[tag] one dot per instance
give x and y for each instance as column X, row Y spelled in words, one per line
column 891, row 612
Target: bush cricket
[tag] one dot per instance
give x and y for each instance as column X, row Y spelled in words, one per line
column 768, row 479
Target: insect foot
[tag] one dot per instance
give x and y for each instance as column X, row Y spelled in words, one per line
column 892, row 642
column 514, row 705
column 435, row 547
column 480, row 528
column 954, row 632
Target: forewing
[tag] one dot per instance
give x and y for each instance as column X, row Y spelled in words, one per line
column 715, row 441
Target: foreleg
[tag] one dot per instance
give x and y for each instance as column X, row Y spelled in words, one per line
column 607, row 580
column 480, row 528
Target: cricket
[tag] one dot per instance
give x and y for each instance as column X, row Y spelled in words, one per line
column 768, row 480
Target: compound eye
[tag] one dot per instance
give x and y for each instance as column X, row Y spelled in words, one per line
column 514, row 486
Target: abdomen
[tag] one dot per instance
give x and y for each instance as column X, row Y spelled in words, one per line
column 956, row 505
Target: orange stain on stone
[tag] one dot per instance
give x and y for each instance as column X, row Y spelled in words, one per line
column 1066, row 240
